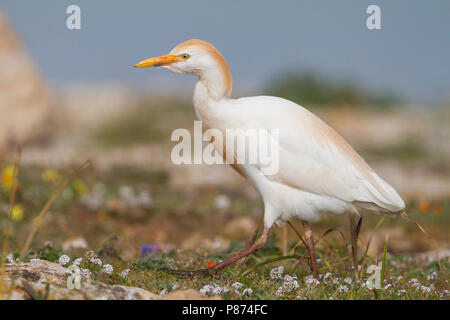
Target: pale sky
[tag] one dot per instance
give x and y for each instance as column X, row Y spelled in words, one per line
column 259, row 39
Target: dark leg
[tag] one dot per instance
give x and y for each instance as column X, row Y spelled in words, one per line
column 310, row 242
column 209, row 271
column 354, row 233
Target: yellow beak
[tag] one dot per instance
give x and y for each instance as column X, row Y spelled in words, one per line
column 160, row 61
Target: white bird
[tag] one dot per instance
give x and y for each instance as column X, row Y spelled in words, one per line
column 319, row 172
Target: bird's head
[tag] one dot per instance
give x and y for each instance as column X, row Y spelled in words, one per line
column 195, row 57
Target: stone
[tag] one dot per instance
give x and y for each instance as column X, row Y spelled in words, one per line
column 24, row 97
column 39, row 279
column 189, row 294
column 75, row 244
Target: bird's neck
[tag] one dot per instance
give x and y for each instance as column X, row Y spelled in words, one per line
column 203, row 99
column 214, row 84
column 207, row 92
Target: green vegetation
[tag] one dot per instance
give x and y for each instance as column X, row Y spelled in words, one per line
column 145, row 122
column 313, row 91
column 111, row 220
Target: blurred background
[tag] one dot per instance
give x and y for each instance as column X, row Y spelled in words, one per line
column 67, row 96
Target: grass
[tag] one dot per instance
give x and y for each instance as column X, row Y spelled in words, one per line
column 145, row 122
column 306, row 88
column 118, row 225
column 404, row 278
column 408, row 150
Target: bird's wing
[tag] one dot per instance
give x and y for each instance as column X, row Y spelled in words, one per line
column 315, row 158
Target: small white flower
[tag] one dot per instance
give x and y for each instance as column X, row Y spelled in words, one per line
column 425, row 289
column 247, row 291
column 63, row 260
column 400, row 292
column 310, row 281
column 414, row 282
column 432, row 276
column 96, row 261
column 445, row 293
column 217, row 290
column 214, row 289
column 277, row 273
column 125, row 272
column 206, row 289
column 290, row 283
column 342, row 289
column 348, row 280
column 399, row 278
column 10, row 258
column 386, row 287
column 107, row 268
column 77, row 261
column 237, row 285
column 280, row 291
column 327, row 277
column 85, row 273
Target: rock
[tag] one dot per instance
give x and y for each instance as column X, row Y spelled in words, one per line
column 75, row 244
column 24, row 98
column 240, row 228
column 189, row 294
column 133, row 293
column 31, row 281
column 42, row 270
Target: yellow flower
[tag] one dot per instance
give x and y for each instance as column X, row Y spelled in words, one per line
column 51, row 176
column 7, row 177
column 80, row 187
column 17, row 212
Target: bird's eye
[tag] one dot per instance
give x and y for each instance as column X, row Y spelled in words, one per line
column 185, row 56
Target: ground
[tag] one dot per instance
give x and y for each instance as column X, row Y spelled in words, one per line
column 134, row 210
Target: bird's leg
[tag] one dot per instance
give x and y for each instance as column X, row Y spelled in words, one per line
column 253, row 239
column 354, row 233
column 310, row 242
column 262, row 240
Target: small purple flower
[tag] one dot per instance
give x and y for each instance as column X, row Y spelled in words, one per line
column 146, row 248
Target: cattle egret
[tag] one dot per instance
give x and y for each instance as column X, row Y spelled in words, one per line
column 319, row 172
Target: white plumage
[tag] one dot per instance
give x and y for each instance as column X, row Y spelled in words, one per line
column 319, row 172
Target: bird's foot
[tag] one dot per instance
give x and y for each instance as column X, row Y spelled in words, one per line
column 199, row 272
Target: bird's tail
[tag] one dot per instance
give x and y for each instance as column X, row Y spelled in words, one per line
column 432, row 242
